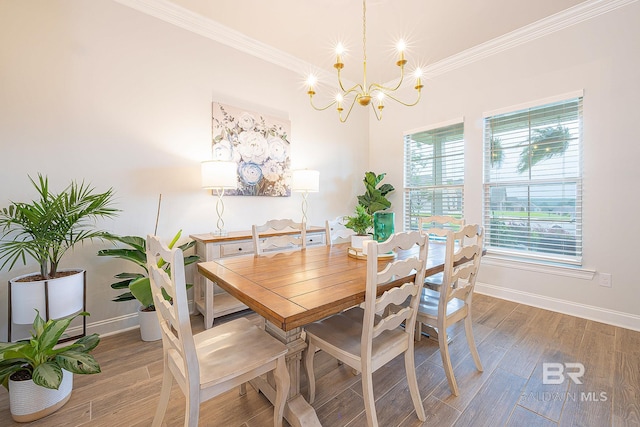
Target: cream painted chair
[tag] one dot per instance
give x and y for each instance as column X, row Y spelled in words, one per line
column 215, row 360
column 264, row 240
column 366, row 341
column 438, row 222
column 453, row 303
column 336, row 232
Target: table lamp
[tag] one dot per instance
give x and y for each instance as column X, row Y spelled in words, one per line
column 305, row 181
column 219, row 176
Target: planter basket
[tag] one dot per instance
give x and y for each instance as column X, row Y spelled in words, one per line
column 53, row 298
column 30, row 402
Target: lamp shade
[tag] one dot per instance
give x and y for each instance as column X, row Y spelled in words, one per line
column 305, row 180
column 219, row 175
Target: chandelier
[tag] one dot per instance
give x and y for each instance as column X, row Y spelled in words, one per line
column 362, row 93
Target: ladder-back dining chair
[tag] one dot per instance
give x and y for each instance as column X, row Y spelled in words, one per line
column 438, row 222
column 264, row 239
column 336, row 231
column 365, row 340
column 453, row 303
column 213, row 361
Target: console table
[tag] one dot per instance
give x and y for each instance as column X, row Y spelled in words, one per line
column 208, row 298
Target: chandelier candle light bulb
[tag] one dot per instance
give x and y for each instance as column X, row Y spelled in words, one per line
column 362, row 93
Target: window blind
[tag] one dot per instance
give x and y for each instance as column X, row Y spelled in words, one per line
column 533, row 182
column 434, row 173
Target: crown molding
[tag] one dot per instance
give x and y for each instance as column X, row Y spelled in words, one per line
column 549, row 25
column 198, row 24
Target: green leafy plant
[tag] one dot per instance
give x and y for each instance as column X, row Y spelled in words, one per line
column 137, row 284
column 47, row 228
column 374, row 199
column 361, row 222
column 40, row 361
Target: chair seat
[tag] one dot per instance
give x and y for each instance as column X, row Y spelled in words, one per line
column 343, row 331
column 220, row 360
column 429, row 304
column 434, row 282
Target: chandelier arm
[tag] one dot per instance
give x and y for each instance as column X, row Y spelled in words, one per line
column 376, row 86
column 320, row 108
column 348, row 111
column 375, row 112
column 404, row 103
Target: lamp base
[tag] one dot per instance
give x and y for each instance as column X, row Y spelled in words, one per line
column 220, row 233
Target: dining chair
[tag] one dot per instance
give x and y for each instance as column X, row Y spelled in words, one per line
column 213, row 361
column 266, row 239
column 453, row 303
column 427, row 223
column 366, row 338
column 336, row 231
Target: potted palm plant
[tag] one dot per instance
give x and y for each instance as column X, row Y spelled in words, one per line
column 45, row 230
column 38, row 376
column 137, row 285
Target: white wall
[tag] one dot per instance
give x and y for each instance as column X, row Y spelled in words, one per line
column 97, row 91
column 601, row 57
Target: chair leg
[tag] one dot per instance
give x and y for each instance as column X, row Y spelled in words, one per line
column 243, row 389
column 446, row 358
column 192, row 404
column 412, row 380
column 418, row 332
column 165, row 393
column 468, row 329
column 307, row 359
column 369, row 400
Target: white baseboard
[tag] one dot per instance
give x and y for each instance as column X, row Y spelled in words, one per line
column 598, row 314
column 113, row 325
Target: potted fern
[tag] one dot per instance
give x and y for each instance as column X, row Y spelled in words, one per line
column 45, row 230
column 38, row 376
column 136, row 285
column 360, row 223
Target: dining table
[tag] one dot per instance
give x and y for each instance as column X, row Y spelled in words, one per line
column 291, row 289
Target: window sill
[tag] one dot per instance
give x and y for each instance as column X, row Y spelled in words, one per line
column 538, row 266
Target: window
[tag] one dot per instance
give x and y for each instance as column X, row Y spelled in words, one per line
column 434, row 172
column 533, row 182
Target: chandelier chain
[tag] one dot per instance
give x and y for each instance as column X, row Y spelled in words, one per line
column 364, row 30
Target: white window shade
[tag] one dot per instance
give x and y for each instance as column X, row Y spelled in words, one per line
column 434, row 173
column 533, row 182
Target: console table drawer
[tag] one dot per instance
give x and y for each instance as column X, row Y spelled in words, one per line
column 235, row 249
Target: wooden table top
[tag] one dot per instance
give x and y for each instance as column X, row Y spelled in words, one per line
column 292, row 289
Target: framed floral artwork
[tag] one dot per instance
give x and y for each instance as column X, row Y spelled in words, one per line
column 259, row 144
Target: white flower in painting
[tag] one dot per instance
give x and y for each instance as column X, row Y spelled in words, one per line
column 246, row 121
column 222, row 151
column 279, row 188
column 272, row 170
column 253, row 147
column 278, row 149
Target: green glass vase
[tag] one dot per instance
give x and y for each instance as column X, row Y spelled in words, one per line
column 383, row 225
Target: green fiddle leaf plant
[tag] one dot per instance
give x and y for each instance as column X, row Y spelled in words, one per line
column 37, row 359
column 374, row 199
column 137, row 285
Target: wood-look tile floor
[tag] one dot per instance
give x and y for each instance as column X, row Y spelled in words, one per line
column 514, row 341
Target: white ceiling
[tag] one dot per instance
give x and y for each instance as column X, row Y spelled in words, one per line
column 434, row 29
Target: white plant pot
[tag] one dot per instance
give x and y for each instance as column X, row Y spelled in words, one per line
column 149, row 325
column 30, row 402
column 357, row 241
column 66, row 297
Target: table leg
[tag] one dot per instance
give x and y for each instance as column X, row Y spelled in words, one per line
column 298, row 412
